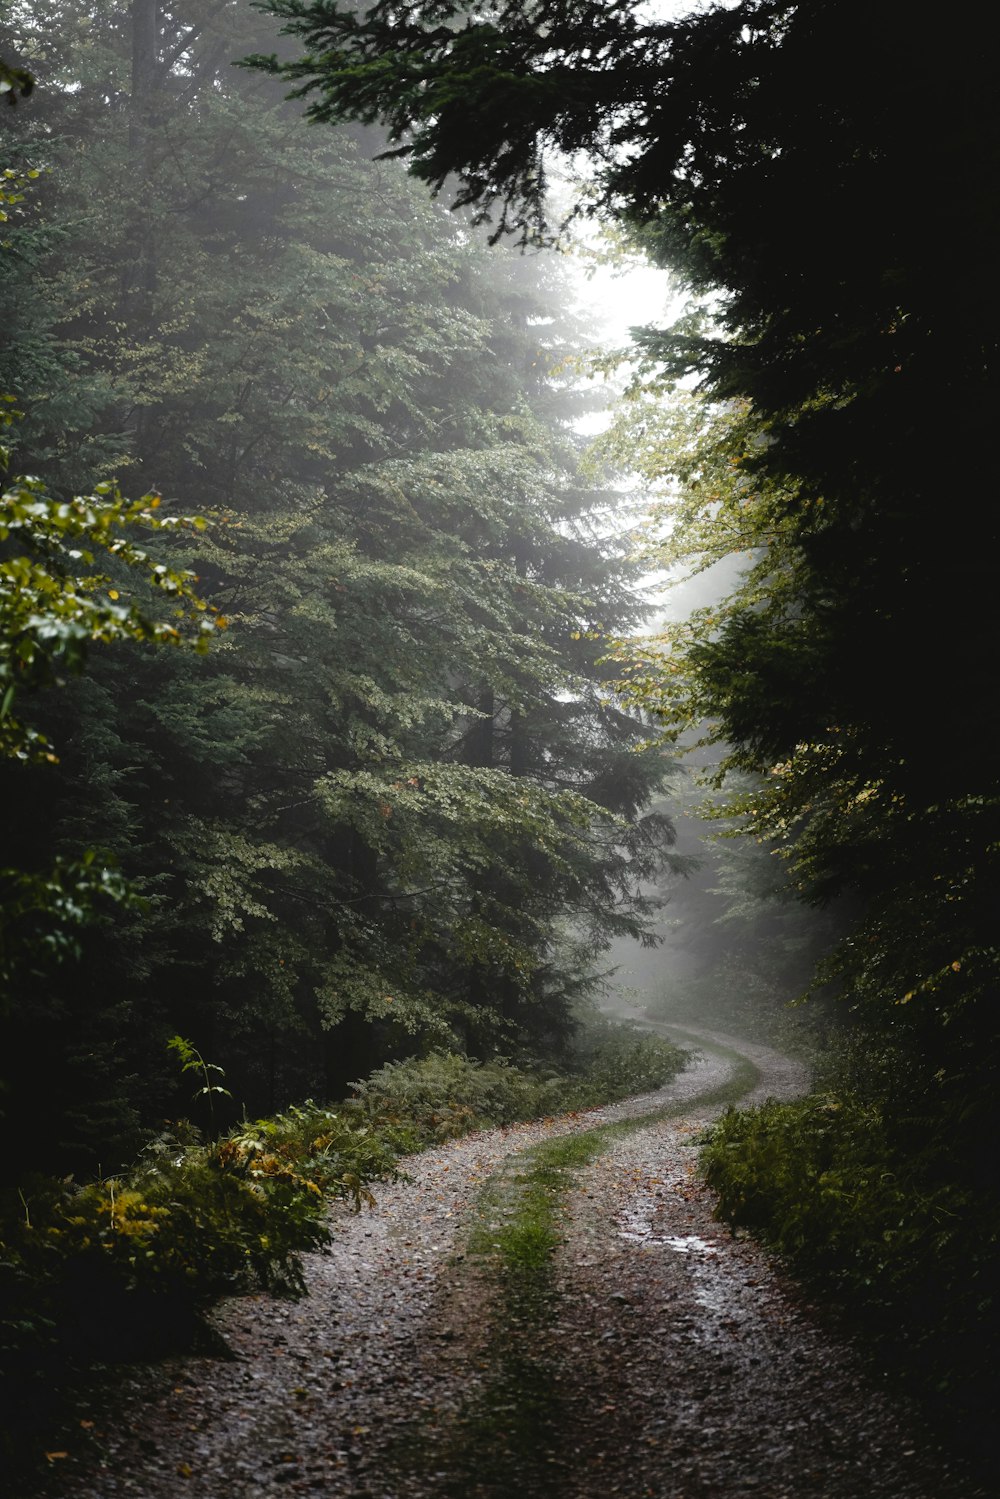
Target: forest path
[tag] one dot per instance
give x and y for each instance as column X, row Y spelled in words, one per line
column 651, row 1354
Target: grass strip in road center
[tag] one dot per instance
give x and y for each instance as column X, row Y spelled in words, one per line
column 519, row 1210
column 507, row 1437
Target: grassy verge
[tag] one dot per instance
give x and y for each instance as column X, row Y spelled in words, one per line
column 502, row 1439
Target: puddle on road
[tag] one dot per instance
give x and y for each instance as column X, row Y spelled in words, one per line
column 687, row 1244
column 635, row 1223
column 708, row 1290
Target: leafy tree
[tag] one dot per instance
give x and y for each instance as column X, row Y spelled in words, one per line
column 52, row 614
column 787, row 168
column 398, row 803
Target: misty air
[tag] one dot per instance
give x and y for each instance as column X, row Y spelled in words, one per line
column 498, row 728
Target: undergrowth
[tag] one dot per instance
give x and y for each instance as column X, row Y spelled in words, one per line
column 445, row 1095
column 886, row 1233
column 125, row 1267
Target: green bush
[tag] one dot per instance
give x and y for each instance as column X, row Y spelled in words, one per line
column 189, row 1222
column 444, row 1095
column 332, row 1150
column 437, row 1097
column 892, row 1236
column 124, row 1267
column 612, row 1062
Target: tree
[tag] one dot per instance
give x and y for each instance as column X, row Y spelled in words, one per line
column 785, row 166
column 399, row 802
column 52, row 614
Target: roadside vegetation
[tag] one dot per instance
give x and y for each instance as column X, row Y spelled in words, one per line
column 902, row 1241
column 125, row 1267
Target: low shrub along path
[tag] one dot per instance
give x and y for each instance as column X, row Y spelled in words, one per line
column 549, row 1311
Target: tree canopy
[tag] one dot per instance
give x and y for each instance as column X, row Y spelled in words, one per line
column 399, row 802
column 828, row 195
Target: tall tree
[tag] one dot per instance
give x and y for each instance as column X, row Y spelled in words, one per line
column 372, row 814
column 784, row 164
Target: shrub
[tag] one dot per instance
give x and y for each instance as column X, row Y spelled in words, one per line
column 613, row 1062
column 332, row 1150
column 124, row 1267
column 443, row 1095
column 892, row 1235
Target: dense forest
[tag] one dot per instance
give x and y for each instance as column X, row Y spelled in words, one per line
column 339, row 743
column 394, row 798
column 311, row 760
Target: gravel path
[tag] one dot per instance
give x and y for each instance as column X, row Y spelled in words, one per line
column 695, row 1355
column 679, row 1360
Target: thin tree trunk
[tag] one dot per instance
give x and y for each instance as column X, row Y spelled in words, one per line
column 140, row 273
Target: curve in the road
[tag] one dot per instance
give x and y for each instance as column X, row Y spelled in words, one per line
column 375, row 1385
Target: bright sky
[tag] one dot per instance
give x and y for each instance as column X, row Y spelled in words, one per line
column 611, row 303
column 619, row 302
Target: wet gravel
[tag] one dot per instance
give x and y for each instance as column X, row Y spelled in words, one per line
column 682, row 1363
column 699, row 1369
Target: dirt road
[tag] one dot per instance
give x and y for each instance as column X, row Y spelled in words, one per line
column 665, row 1358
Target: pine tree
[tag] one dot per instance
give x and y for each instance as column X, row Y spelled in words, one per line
column 398, row 793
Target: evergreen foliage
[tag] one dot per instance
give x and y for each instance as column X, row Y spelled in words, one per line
column 776, row 165
column 398, row 803
column 829, row 192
